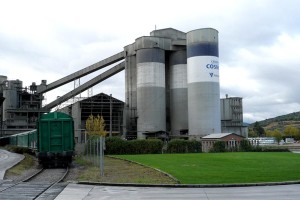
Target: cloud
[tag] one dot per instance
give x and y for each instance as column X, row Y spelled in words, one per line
column 258, row 42
column 267, row 76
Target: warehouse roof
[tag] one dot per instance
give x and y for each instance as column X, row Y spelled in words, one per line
column 218, row 135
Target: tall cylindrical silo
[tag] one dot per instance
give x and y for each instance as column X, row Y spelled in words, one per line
column 178, row 92
column 130, row 94
column 151, row 91
column 203, row 82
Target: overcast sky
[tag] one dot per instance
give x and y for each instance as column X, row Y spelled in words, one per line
column 259, row 43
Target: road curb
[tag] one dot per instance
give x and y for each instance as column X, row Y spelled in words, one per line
column 3, row 171
column 188, row 185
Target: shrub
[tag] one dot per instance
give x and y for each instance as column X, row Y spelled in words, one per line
column 274, row 149
column 116, row 145
column 19, row 150
column 245, row 146
column 256, row 149
column 219, row 146
column 194, row 146
column 150, row 146
column 184, row 146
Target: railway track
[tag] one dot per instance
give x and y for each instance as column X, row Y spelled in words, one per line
column 45, row 184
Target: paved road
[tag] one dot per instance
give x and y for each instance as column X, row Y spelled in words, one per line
column 7, row 160
column 78, row 192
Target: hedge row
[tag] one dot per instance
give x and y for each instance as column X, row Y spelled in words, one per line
column 115, row 145
column 19, row 150
column 184, row 146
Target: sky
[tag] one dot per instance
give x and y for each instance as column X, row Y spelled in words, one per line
column 259, row 44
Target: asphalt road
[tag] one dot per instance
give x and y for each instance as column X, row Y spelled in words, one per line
column 7, row 160
column 282, row 192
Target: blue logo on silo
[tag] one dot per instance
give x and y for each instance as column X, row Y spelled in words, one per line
column 213, row 65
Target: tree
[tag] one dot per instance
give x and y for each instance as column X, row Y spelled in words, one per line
column 95, row 126
column 297, row 135
column 258, row 129
column 252, row 133
column 291, row 131
column 276, row 134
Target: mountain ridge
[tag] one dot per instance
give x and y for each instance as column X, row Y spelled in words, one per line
column 280, row 122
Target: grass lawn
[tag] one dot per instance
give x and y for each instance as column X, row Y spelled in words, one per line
column 215, row 168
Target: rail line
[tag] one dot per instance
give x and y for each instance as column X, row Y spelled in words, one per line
column 37, row 185
column 59, row 179
column 24, row 180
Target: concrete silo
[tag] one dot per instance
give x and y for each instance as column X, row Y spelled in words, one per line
column 178, row 92
column 151, row 91
column 203, row 82
column 130, row 91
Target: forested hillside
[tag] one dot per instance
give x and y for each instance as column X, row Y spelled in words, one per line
column 281, row 122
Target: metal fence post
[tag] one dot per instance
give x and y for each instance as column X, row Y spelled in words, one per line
column 101, row 158
column 90, row 145
column 97, row 152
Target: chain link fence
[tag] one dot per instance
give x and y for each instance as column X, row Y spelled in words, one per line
column 94, row 152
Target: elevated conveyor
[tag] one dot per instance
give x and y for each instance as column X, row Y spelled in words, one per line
column 105, row 75
column 92, row 68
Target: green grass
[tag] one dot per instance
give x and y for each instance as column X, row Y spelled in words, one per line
column 216, row 168
column 24, row 165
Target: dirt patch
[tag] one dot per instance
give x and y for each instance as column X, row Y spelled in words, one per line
column 24, row 169
column 118, row 171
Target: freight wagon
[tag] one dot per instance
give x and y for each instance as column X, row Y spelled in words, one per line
column 52, row 141
column 55, row 133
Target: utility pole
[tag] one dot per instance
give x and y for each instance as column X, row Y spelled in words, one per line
column 110, row 117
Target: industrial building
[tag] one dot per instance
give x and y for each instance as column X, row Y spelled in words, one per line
column 171, row 90
column 111, row 109
column 232, row 141
column 20, row 107
column 232, row 116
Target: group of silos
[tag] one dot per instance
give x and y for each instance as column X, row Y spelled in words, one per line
column 172, row 83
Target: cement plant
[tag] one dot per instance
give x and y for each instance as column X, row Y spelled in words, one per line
column 172, row 90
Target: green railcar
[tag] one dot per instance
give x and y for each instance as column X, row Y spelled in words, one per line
column 32, row 139
column 55, row 133
column 22, row 140
column 13, row 140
